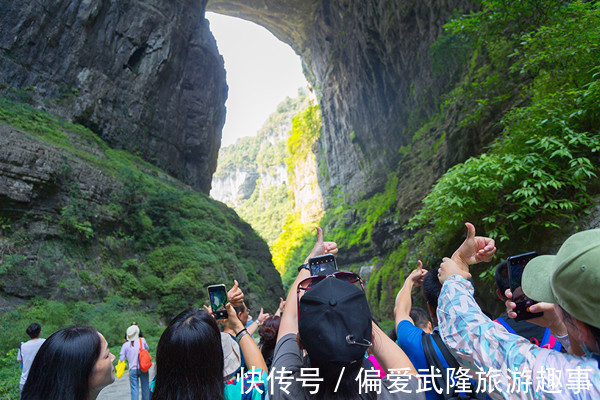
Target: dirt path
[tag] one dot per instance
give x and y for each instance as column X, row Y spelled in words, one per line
column 119, row 390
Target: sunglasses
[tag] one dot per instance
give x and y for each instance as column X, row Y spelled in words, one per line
column 308, row 283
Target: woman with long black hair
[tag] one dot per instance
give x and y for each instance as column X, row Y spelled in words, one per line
column 189, row 360
column 72, row 364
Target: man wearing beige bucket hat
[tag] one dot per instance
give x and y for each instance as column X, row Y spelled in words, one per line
column 521, row 370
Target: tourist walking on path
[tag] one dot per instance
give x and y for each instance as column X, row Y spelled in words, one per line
column 130, row 351
column 28, row 350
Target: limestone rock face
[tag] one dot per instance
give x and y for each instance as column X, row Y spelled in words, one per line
column 144, row 75
column 235, row 187
column 369, row 62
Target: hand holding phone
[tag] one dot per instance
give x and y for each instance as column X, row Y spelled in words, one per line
column 322, row 265
column 516, row 266
column 218, row 300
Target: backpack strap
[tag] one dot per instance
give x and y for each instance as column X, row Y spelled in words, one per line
column 433, row 360
column 549, row 341
column 505, row 324
column 452, row 363
column 140, row 350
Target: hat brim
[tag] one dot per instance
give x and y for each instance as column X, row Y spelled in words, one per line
column 537, row 279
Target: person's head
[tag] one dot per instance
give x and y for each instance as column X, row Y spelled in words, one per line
column 431, row 292
column 268, row 335
column 189, row 359
column 78, row 358
column 133, row 333
column 502, row 280
column 570, row 280
column 34, row 330
column 335, row 328
column 242, row 313
column 421, row 319
column 393, row 334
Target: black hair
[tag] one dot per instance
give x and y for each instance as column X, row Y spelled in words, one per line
column 566, row 317
column 239, row 309
column 63, row 365
column 432, row 287
column 268, row 338
column 420, row 317
column 501, row 278
column 34, row 330
column 189, row 359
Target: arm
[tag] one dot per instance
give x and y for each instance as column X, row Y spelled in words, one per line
column 389, row 354
column 476, row 341
column 403, row 299
column 289, row 319
column 122, row 355
column 258, row 322
column 252, row 354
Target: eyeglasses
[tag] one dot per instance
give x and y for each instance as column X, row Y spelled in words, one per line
column 308, row 283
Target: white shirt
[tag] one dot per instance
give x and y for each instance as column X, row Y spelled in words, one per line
column 26, row 354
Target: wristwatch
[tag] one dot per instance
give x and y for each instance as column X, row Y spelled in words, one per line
column 303, row 266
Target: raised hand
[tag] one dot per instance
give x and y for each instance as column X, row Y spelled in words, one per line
column 418, row 274
column 448, row 268
column 232, row 319
column 262, row 316
column 550, row 319
column 281, row 306
column 235, row 295
column 474, row 249
column 322, row 247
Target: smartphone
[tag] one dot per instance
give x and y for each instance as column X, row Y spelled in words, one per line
column 516, row 265
column 218, row 300
column 322, row 265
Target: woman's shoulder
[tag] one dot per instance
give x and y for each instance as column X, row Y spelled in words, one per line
column 250, row 386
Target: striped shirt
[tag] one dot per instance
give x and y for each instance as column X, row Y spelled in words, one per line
column 515, row 368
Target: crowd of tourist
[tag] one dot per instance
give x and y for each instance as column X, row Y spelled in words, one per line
column 323, row 343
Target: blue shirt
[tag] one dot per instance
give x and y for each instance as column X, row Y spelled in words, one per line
column 411, row 342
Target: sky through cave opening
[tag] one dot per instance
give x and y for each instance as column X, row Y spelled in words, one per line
column 261, row 72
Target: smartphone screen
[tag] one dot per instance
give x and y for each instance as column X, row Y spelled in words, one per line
column 322, row 265
column 218, row 300
column 516, row 266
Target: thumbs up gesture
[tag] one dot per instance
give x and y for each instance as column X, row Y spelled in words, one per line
column 322, row 247
column 235, row 296
column 474, row 249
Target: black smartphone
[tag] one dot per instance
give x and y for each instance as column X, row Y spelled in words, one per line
column 516, row 265
column 322, row 265
column 218, row 300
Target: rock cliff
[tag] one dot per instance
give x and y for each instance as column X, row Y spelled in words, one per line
column 369, row 61
column 144, row 75
column 80, row 221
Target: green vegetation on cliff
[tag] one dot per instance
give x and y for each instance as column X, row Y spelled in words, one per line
column 534, row 75
column 143, row 252
column 541, row 172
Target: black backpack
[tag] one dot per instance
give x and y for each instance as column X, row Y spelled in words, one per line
column 434, row 361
